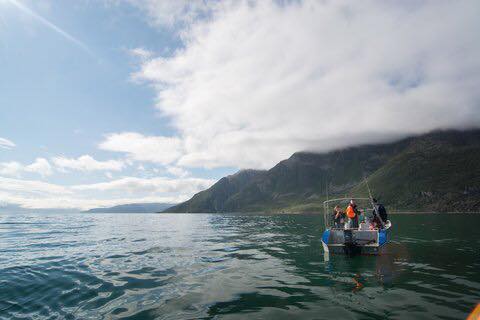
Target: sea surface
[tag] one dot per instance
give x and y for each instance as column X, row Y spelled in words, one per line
column 210, row 266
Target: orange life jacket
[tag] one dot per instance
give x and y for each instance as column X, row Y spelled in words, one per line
column 350, row 212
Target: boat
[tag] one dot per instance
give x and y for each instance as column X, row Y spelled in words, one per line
column 364, row 240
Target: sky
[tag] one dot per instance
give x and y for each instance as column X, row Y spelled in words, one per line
column 106, row 102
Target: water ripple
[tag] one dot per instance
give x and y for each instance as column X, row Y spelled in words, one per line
column 228, row 266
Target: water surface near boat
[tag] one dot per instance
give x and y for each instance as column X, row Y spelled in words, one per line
column 191, row 266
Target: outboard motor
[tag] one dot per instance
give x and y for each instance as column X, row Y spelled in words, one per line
column 350, row 247
column 348, row 236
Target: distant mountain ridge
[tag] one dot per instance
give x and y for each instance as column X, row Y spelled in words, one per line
column 438, row 171
column 17, row 209
column 133, row 208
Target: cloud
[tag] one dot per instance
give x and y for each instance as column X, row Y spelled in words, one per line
column 41, row 195
column 258, row 81
column 170, row 13
column 6, row 144
column 11, row 168
column 40, row 166
column 132, row 185
column 177, row 171
column 157, row 149
column 87, row 163
column 32, row 188
column 141, row 53
column 65, row 202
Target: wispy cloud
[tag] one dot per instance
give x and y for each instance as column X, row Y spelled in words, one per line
column 87, row 163
column 173, row 13
column 177, row 171
column 151, row 186
column 158, row 149
column 6, row 144
column 43, row 167
column 50, row 25
column 141, row 53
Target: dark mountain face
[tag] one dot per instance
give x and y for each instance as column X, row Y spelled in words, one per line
column 437, row 172
column 214, row 199
column 416, row 173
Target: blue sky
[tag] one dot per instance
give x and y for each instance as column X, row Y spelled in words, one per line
column 108, row 102
column 57, row 98
column 61, row 99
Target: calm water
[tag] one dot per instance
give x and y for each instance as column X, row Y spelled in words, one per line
column 231, row 267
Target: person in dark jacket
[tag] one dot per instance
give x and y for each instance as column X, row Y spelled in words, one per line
column 379, row 212
column 339, row 217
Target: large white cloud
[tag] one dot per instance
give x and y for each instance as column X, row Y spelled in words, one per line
column 258, row 81
column 87, row 163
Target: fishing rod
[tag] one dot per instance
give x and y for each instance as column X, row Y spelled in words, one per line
column 375, row 208
column 368, row 188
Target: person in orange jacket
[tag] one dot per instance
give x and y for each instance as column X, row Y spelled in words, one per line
column 352, row 214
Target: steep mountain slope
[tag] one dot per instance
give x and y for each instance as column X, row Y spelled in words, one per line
column 303, row 177
column 214, row 198
column 438, row 171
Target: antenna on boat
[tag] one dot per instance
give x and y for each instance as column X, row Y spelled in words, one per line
column 325, row 203
column 326, row 186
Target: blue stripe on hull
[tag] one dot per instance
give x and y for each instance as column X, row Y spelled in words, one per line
column 325, row 236
column 382, row 237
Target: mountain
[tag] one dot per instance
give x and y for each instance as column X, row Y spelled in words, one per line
column 133, row 208
column 215, row 198
column 438, row 171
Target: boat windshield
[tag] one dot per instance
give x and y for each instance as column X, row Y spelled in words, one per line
column 364, row 205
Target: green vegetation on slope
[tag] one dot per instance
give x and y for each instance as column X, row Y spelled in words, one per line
column 439, row 171
column 432, row 175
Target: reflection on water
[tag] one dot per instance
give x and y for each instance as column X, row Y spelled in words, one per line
column 141, row 266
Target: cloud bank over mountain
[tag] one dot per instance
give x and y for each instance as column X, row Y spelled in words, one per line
column 257, row 81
